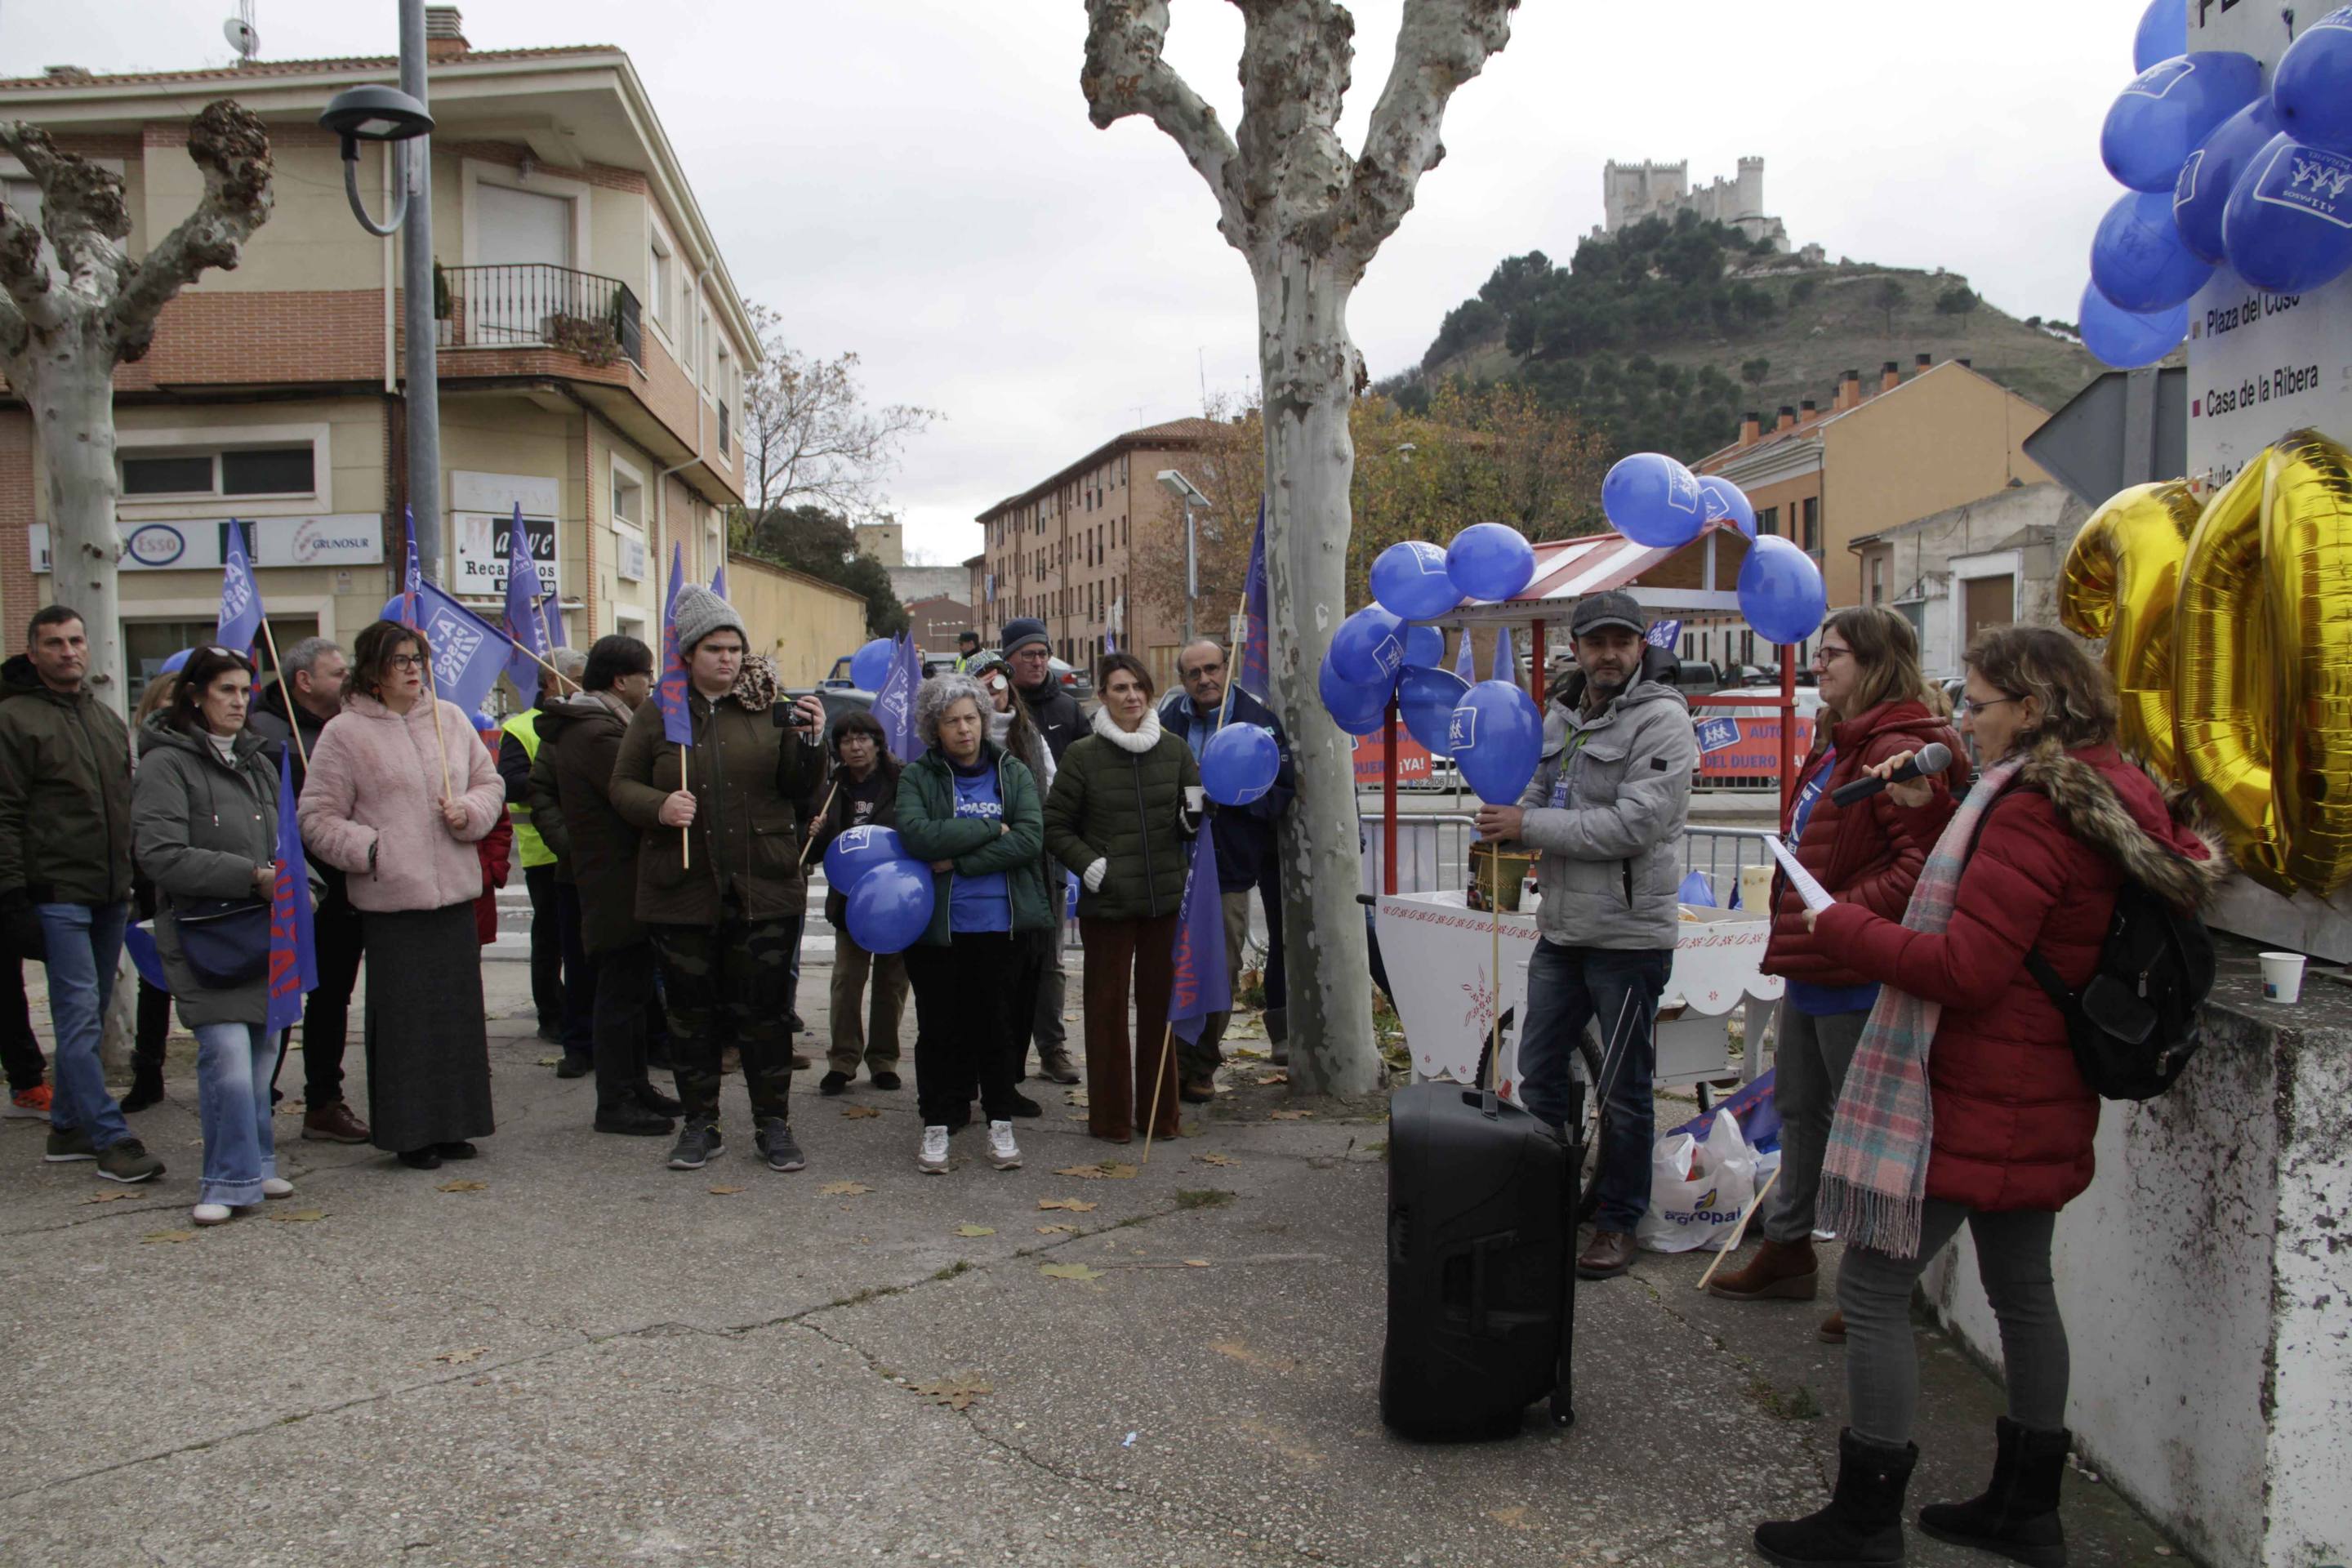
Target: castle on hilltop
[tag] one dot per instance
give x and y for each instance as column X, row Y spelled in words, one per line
column 1632, row 191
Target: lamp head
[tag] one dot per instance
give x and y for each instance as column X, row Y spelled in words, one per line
column 1179, row 487
column 374, row 113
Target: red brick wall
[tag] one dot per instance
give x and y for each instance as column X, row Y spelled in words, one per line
column 16, row 601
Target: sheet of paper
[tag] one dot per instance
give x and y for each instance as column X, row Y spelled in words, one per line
column 1816, row 897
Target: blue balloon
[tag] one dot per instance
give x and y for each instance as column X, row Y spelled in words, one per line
column 2138, row 257
column 1426, row 699
column 1490, row 561
column 1780, row 591
column 1369, row 647
column 2288, row 224
column 869, row 666
column 2117, row 337
column 2212, row 172
column 1653, row 500
column 1239, row 763
column 1358, row 709
column 1412, row 582
column 145, row 956
column 1727, row 502
column 177, row 662
column 2312, row 84
column 854, row 850
column 1495, row 737
column 2163, row 33
column 890, row 906
column 2169, row 110
column 1424, row 645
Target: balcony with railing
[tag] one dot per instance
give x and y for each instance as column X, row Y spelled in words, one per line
column 535, row 305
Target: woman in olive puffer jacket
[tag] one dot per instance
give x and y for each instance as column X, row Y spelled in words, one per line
column 1126, row 802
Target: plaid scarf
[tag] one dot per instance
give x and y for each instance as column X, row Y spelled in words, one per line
column 1875, row 1171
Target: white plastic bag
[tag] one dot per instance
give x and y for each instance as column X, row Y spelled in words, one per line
column 1698, row 1190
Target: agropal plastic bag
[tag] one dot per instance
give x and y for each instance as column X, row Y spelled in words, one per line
column 1697, row 1189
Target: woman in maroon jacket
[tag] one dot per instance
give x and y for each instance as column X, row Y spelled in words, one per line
column 1998, row 1130
column 1873, row 709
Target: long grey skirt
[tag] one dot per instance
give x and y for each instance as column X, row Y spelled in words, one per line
column 428, row 1061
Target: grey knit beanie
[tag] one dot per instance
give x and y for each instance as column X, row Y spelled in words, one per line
column 700, row 611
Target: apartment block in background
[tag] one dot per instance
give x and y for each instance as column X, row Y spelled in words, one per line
column 593, row 350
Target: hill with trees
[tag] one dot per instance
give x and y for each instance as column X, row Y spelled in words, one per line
column 1659, row 337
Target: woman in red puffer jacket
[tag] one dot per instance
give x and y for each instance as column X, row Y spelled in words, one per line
column 2032, row 864
column 1872, row 709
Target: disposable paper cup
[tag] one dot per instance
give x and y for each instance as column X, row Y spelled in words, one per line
column 2282, row 976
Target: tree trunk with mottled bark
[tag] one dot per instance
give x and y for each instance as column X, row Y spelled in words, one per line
column 1309, row 218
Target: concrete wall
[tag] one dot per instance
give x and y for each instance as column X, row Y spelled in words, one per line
column 2203, row 1278
column 799, row 622
column 1970, row 535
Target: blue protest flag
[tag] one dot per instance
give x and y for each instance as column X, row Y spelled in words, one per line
column 239, row 626
column 1663, row 634
column 1506, row 663
column 524, row 624
column 410, row 609
column 468, row 652
column 1252, row 674
column 1110, row 642
column 293, row 949
column 670, row 690
column 1202, row 986
column 719, row 580
column 894, row 704
column 1463, row 665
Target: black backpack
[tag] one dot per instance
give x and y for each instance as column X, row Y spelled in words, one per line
column 2135, row 1025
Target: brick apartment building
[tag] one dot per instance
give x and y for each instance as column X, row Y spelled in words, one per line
column 593, row 350
column 1061, row 550
column 1907, row 447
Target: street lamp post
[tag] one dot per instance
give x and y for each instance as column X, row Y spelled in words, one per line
column 1188, row 494
column 387, row 115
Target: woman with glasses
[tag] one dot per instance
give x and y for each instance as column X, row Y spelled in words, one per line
column 1963, row 1101
column 396, row 799
column 1874, row 706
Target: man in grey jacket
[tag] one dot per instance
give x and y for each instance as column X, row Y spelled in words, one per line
column 1607, row 808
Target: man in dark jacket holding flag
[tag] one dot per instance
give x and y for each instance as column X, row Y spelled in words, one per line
column 1244, row 835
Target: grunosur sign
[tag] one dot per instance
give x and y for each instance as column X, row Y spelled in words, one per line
column 337, row 539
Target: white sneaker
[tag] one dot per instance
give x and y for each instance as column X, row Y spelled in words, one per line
column 277, row 1187
column 933, row 1160
column 210, row 1213
column 1002, row 1151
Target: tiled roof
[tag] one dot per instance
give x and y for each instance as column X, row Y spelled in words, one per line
column 356, row 64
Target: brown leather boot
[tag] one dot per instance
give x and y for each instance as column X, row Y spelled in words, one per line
column 1833, row 1330
column 1780, row 1271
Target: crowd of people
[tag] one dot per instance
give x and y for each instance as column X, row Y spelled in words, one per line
column 1925, row 1079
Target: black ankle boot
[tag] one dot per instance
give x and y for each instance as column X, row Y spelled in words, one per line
column 146, row 1085
column 1862, row 1526
column 2017, row 1516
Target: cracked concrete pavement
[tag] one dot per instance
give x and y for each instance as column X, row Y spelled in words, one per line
column 594, row 1359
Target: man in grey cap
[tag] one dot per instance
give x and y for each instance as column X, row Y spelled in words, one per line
column 1607, row 808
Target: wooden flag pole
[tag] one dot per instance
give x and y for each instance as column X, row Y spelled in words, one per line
column 686, row 834
column 831, row 790
column 1740, row 1230
column 433, row 695
column 1167, row 1038
column 293, row 719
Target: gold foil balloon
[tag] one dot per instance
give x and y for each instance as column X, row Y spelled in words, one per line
column 2121, row 578
column 2223, row 685
column 2307, row 565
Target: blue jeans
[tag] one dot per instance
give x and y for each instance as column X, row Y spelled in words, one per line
column 85, row 943
column 1567, row 987
column 233, row 1064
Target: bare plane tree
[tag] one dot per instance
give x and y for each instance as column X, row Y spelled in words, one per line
column 809, row 436
column 1309, row 218
column 76, row 305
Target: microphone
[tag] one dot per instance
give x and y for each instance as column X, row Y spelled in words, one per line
column 1932, row 758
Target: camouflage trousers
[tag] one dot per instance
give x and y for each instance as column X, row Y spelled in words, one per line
column 729, row 985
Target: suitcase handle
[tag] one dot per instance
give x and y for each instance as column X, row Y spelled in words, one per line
column 1563, row 1406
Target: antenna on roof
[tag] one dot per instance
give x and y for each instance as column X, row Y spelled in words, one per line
column 243, row 36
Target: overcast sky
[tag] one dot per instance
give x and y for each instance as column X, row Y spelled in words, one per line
column 915, row 180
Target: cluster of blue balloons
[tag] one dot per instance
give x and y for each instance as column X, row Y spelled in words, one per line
column 2217, row 171
column 889, row 893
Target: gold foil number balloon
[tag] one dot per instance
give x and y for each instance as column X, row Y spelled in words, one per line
column 2307, row 570
column 2222, row 682
column 2120, row 580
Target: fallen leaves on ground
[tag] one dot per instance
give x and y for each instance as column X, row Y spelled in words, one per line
column 1108, row 1170
column 297, row 1216
column 460, row 1358
column 975, row 1230
column 1075, row 1097
column 462, row 1187
column 1242, row 1352
column 106, row 1197
column 1268, row 1079
column 1050, row 1230
column 1068, row 1272
column 154, row 1236
column 724, row 1192
column 1510, row 1518
column 956, row 1393
column 860, row 1112
column 550, row 1061
column 1075, row 1205
column 1206, row 1158
column 844, row 1189
column 1196, row 1263
column 1289, row 1115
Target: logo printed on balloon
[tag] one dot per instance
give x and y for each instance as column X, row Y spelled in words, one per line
column 1461, row 730
column 1427, row 556
column 1682, row 489
column 2326, row 174
column 2161, row 78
